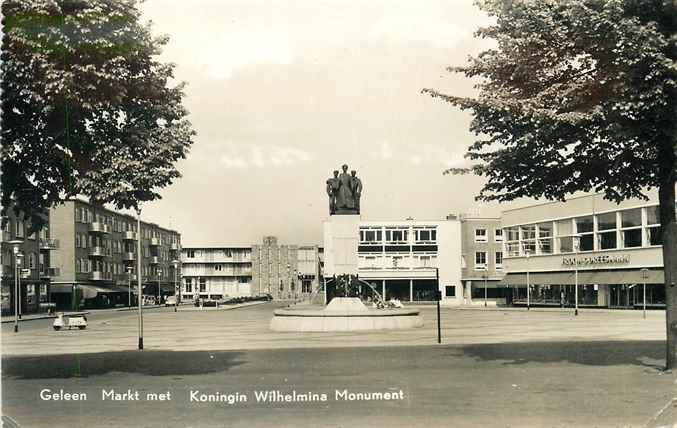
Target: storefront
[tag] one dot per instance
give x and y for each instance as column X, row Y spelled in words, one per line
column 609, row 255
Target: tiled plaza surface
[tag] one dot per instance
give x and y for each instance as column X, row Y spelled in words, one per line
column 248, row 328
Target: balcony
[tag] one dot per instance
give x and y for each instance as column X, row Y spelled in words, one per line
column 6, row 236
column 174, row 246
column 50, row 272
column 98, row 275
column 98, row 227
column 49, row 244
column 155, row 242
column 128, row 257
column 129, row 235
column 154, row 260
column 98, row 252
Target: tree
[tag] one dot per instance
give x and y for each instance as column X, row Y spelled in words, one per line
column 579, row 95
column 86, row 107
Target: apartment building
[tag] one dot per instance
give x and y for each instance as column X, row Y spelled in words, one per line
column 35, row 268
column 97, row 257
column 216, row 272
column 482, row 260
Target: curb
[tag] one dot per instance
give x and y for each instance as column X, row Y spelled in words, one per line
column 222, row 308
column 44, row 317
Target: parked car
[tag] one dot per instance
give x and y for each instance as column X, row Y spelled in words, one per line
column 170, row 301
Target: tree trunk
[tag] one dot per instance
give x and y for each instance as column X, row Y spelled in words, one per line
column 666, row 195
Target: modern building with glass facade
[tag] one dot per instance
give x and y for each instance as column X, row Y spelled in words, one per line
column 216, row 272
column 402, row 259
column 610, row 250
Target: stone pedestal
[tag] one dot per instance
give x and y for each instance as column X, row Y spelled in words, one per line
column 341, row 237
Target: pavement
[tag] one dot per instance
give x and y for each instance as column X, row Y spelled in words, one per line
column 493, row 369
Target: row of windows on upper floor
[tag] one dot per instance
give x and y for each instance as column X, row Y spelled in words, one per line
column 630, row 228
column 116, row 246
column 216, row 253
column 379, row 235
column 123, row 224
column 83, row 265
column 19, row 230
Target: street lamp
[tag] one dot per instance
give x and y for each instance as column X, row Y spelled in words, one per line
column 645, row 276
column 129, row 270
column 159, row 277
column 177, row 290
column 576, row 244
column 138, row 275
column 527, row 252
column 484, row 276
column 16, row 244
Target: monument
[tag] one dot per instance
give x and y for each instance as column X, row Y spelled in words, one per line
column 344, row 292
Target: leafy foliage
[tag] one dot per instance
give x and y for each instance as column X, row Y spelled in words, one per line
column 577, row 95
column 87, row 109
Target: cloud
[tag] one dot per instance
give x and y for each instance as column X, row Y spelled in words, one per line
column 257, row 157
column 223, row 55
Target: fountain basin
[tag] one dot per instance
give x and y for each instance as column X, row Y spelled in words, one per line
column 344, row 314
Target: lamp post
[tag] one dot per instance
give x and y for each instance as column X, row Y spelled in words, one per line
column 528, row 254
column 576, row 243
column 484, row 276
column 129, row 283
column 159, row 277
column 138, row 275
column 645, row 276
column 177, row 291
column 16, row 244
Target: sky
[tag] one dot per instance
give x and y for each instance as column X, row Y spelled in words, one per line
column 281, row 93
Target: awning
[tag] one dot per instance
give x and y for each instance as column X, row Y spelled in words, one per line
column 617, row 276
column 88, row 291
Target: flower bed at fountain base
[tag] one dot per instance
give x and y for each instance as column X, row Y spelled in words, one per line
column 344, row 314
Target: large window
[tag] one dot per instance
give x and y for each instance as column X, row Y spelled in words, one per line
column 426, row 236
column 585, row 229
column 631, row 228
column 373, row 236
column 545, row 238
column 528, row 239
column 653, row 226
column 512, row 249
column 607, row 234
column 480, row 260
column 565, row 230
column 397, row 236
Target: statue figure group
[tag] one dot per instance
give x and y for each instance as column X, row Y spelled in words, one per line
column 344, row 191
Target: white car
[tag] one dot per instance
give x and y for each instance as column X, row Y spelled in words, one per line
column 171, row 301
column 63, row 321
